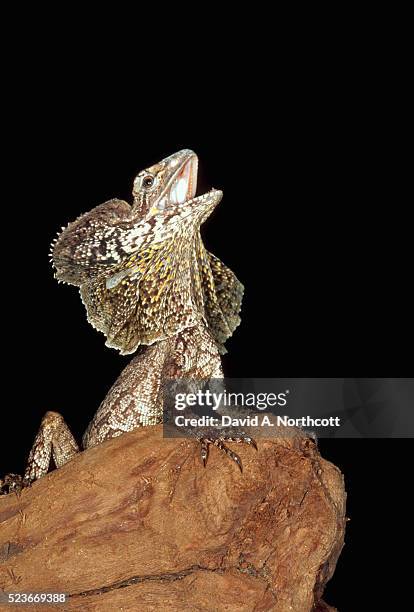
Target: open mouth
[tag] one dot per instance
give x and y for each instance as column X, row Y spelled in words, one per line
column 183, row 185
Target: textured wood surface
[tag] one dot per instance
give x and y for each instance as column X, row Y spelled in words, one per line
column 137, row 523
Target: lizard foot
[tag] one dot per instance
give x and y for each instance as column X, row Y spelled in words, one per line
column 12, row 483
column 219, row 438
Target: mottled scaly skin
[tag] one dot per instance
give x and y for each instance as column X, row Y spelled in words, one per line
column 136, row 397
column 150, row 286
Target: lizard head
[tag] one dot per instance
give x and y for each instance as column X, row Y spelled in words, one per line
column 166, row 184
column 143, row 271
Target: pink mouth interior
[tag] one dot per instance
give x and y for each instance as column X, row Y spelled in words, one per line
column 184, row 185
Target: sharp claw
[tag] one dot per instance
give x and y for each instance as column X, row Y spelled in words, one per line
column 11, row 483
column 252, row 443
column 237, row 459
column 204, row 455
column 219, row 442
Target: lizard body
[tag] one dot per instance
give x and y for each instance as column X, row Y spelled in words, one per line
column 152, row 288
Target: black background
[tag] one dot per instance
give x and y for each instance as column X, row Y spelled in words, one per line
column 313, row 221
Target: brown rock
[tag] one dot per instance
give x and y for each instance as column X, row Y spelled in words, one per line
column 137, row 523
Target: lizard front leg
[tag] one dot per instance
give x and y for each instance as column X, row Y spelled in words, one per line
column 54, row 439
column 195, row 357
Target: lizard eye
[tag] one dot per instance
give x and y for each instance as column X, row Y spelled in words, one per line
column 148, row 181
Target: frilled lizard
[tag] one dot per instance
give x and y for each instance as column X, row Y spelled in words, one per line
column 151, row 287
